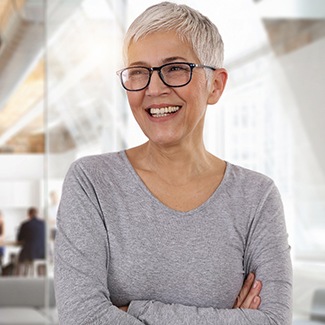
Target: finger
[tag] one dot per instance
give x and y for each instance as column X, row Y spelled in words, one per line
column 253, row 293
column 245, row 290
column 255, row 303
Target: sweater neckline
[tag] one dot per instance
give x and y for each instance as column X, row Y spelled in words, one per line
column 153, row 198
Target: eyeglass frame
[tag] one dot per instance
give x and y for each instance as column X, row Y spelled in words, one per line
column 158, row 69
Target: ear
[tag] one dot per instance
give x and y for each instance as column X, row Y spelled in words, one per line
column 218, row 83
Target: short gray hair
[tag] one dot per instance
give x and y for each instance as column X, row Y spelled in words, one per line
column 190, row 25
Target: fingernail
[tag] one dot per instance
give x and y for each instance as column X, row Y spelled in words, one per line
column 255, row 284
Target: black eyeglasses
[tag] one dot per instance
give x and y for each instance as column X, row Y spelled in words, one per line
column 175, row 74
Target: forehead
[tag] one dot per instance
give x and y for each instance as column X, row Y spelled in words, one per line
column 155, row 48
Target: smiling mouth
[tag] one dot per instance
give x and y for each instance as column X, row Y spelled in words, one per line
column 163, row 111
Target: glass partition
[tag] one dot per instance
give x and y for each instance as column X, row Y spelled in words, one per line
column 86, row 109
column 24, row 280
column 22, row 111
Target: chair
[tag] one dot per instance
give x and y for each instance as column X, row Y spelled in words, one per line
column 33, row 268
column 39, row 267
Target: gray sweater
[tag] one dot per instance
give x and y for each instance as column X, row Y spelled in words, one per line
column 117, row 244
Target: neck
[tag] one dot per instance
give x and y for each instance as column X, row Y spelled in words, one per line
column 173, row 164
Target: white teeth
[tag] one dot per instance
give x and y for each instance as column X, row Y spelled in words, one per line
column 163, row 111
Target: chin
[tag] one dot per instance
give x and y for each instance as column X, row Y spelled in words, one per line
column 165, row 142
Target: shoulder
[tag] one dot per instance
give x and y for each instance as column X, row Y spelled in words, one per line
column 247, row 176
column 98, row 161
column 248, row 183
column 255, row 194
column 98, row 164
column 98, row 170
column 23, row 225
column 40, row 221
column 26, row 225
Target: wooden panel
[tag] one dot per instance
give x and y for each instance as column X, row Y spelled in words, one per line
column 7, row 9
column 28, row 94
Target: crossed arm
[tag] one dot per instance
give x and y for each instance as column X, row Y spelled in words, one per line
column 248, row 297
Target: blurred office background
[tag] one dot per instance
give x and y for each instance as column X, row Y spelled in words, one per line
column 60, row 99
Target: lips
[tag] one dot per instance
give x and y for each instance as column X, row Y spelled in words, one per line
column 163, row 111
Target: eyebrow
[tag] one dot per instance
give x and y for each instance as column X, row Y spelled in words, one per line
column 167, row 60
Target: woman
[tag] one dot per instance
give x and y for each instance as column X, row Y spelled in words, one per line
column 166, row 233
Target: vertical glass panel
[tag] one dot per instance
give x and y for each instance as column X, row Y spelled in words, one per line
column 86, row 109
column 21, row 124
column 23, row 281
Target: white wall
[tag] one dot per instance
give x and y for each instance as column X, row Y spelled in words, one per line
column 20, row 180
column 21, row 167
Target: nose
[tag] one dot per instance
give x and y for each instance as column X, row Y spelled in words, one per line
column 156, row 86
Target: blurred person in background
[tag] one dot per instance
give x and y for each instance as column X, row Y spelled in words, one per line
column 53, row 210
column 31, row 235
column 167, row 233
column 52, row 213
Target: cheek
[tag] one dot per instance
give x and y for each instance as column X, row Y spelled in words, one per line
column 196, row 95
column 202, row 86
column 134, row 99
column 202, row 93
column 198, row 86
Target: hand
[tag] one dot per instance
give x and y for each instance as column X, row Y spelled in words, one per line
column 124, row 308
column 248, row 297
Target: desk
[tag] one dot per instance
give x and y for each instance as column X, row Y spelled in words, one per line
column 10, row 243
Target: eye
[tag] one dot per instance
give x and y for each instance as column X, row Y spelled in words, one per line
column 177, row 68
column 136, row 72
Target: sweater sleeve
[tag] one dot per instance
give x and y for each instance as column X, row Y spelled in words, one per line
column 82, row 257
column 267, row 254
